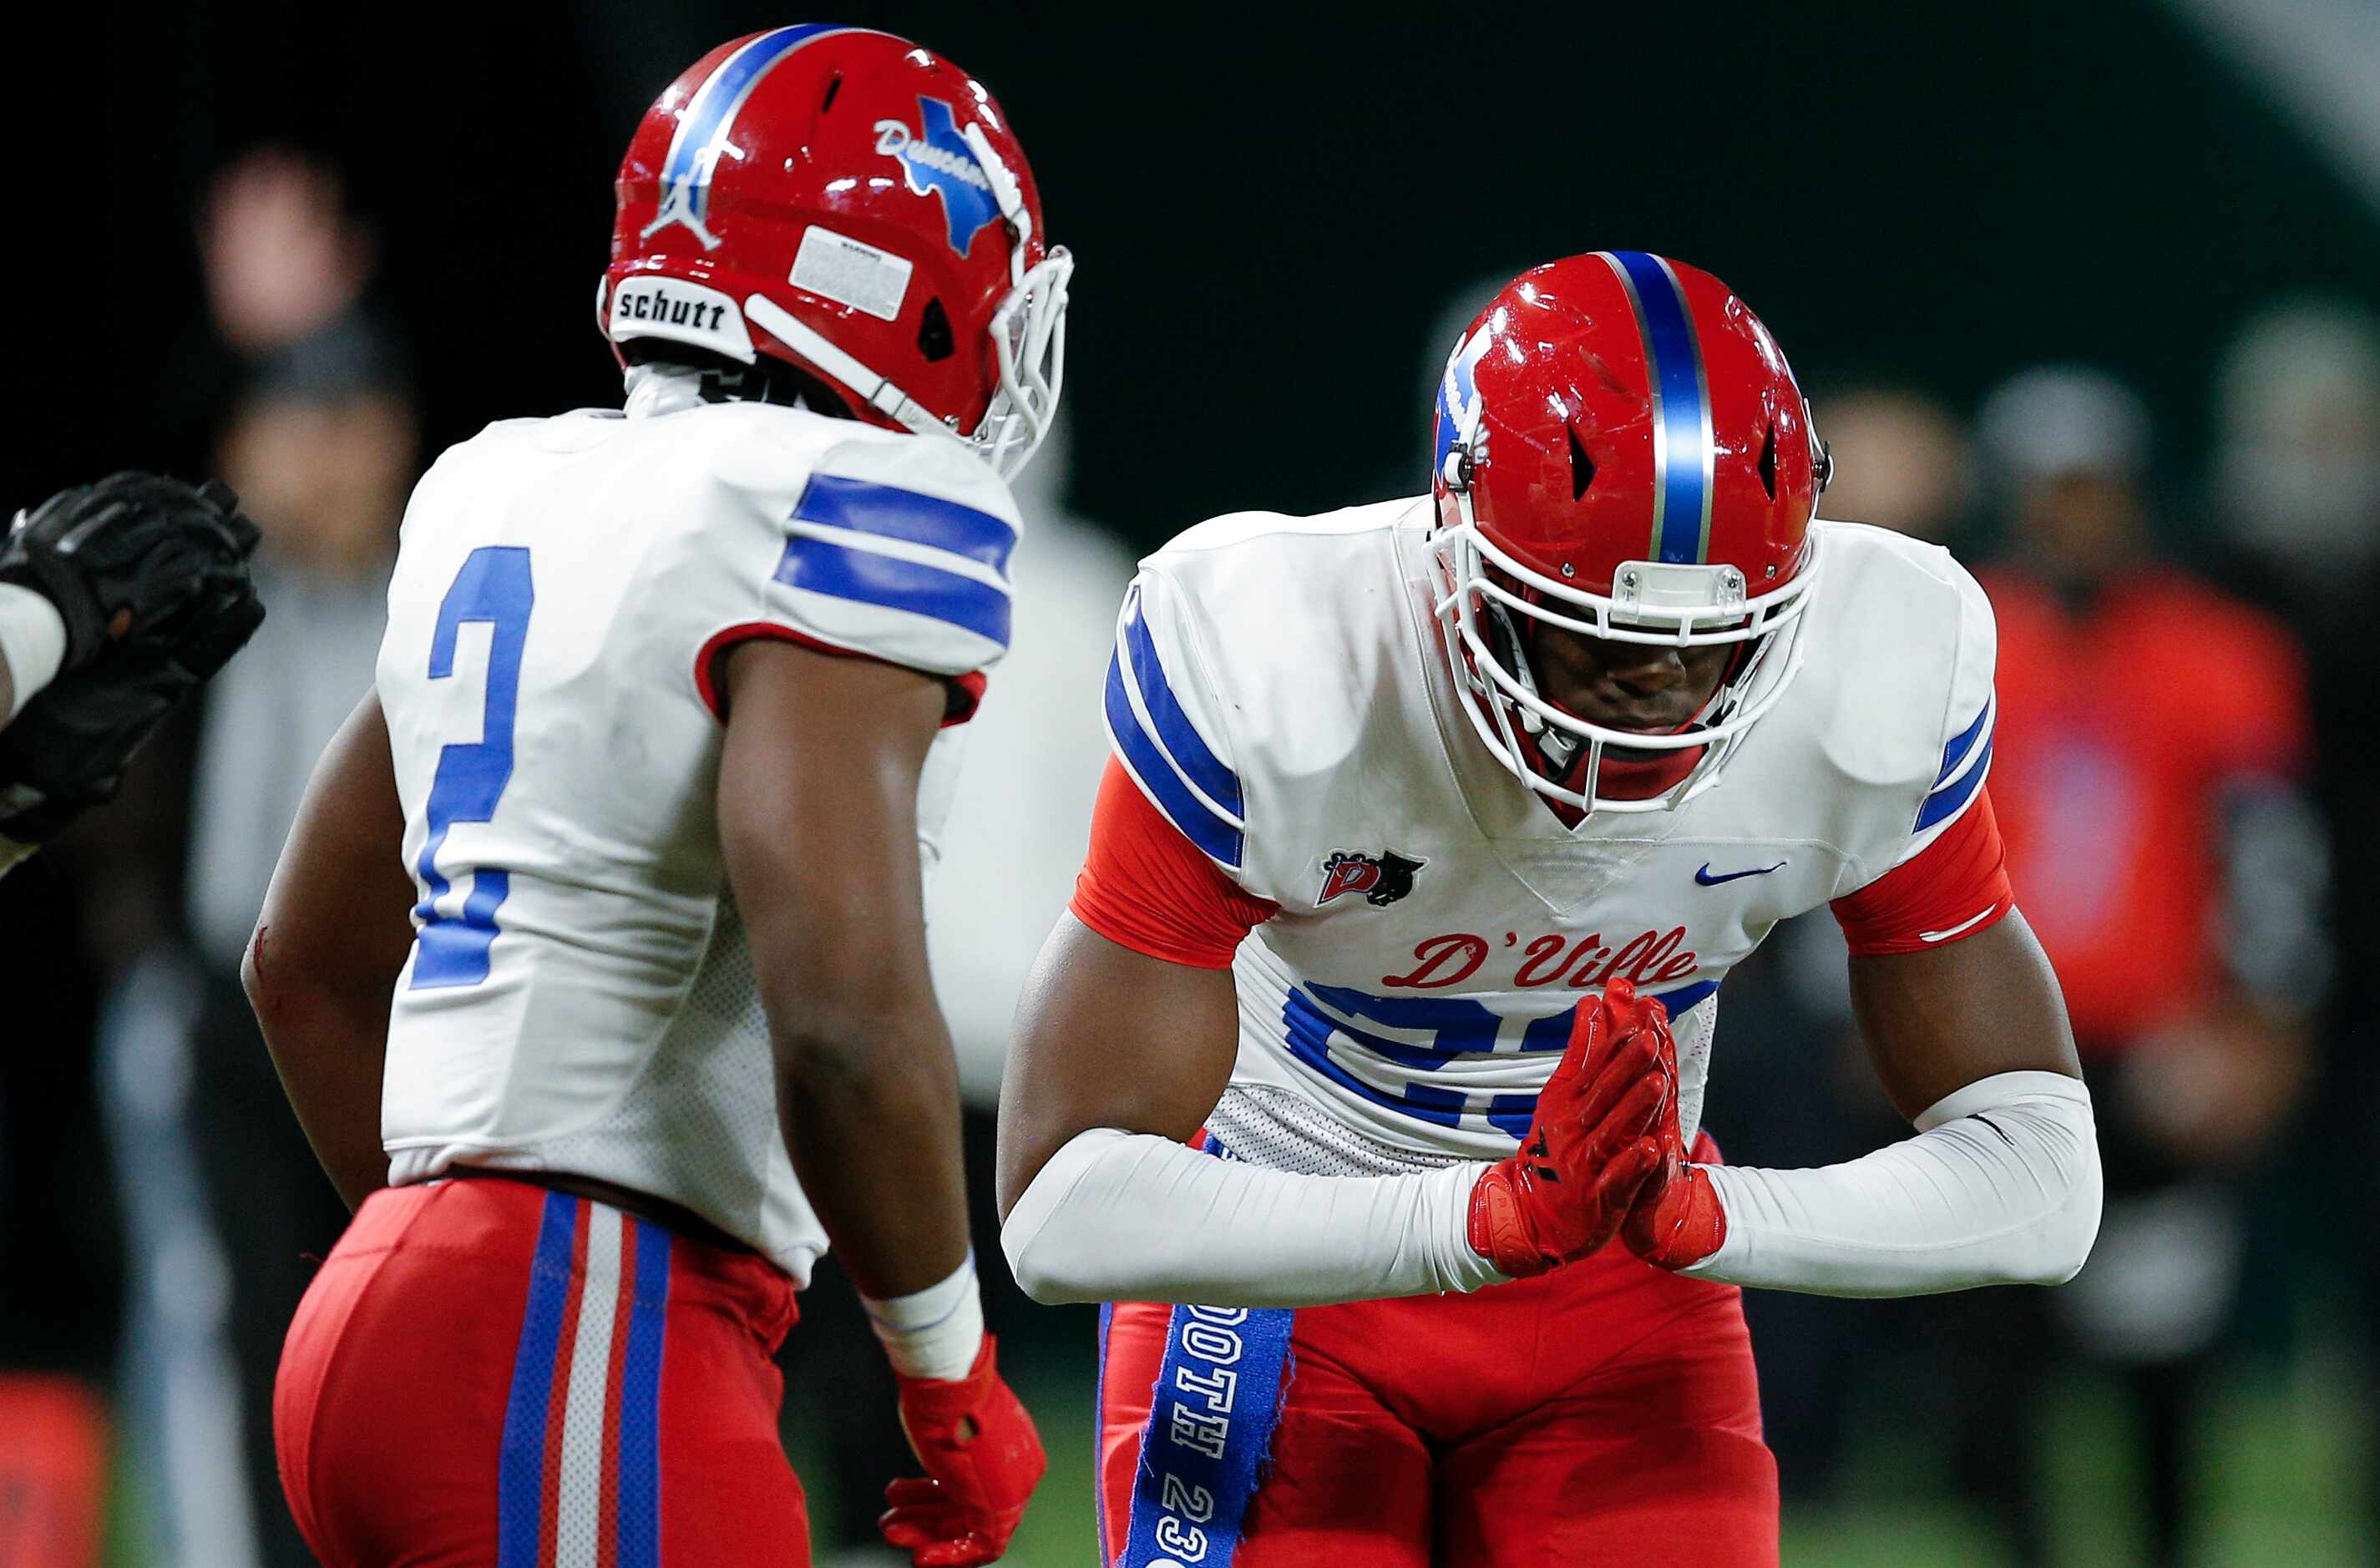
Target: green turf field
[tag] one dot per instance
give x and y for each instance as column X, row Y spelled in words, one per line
column 2282, row 1462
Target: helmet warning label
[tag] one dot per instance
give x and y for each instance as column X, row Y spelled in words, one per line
column 838, row 268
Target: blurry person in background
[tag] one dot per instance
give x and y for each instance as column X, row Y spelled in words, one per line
column 325, row 446
column 2152, row 743
column 284, row 259
column 1901, row 461
column 2297, row 466
column 1018, row 830
column 2295, row 505
column 223, row 1200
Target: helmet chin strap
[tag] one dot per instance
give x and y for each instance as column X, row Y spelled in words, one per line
column 1560, row 746
column 877, row 391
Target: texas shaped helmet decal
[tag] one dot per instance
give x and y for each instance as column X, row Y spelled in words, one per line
column 939, row 160
column 1458, row 398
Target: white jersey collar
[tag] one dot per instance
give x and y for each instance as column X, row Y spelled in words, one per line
column 662, row 389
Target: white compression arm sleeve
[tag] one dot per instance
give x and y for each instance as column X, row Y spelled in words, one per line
column 1119, row 1216
column 33, row 641
column 2000, row 1187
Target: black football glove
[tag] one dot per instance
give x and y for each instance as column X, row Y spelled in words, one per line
column 124, row 557
column 150, row 577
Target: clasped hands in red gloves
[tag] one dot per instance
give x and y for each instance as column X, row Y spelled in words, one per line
column 1604, row 1156
column 982, row 1460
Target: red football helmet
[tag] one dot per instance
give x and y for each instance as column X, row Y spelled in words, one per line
column 844, row 199
column 1622, row 452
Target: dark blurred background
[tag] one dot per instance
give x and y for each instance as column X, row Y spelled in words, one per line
column 306, row 247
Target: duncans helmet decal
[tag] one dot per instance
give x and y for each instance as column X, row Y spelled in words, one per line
column 937, row 162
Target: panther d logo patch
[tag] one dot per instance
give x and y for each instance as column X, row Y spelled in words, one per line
column 1382, row 878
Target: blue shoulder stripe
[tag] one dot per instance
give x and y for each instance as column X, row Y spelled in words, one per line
column 864, row 576
column 864, row 507
column 1175, row 733
column 1682, row 449
column 1946, row 801
column 1199, row 821
column 1960, row 744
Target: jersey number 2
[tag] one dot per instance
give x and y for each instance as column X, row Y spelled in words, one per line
column 493, row 586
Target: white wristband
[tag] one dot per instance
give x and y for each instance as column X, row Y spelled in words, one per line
column 33, row 643
column 936, row 1333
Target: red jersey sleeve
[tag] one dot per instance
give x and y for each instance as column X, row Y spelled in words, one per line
column 964, row 693
column 1954, row 887
column 1146, row 887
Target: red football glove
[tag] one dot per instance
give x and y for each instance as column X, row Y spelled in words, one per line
column 1591, row 1145
column 982, row 1460
column 1676, row 1220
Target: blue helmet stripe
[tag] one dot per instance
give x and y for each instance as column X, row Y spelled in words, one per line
column 702, row 128
column 1682, row 448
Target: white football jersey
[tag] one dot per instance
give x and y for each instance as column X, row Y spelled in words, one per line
column 579, row 998
column 1278, row 691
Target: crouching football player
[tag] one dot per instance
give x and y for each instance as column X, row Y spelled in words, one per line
column 595, row 965
column 1385, row 1003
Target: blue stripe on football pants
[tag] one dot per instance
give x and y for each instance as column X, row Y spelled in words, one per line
column 520, row 1468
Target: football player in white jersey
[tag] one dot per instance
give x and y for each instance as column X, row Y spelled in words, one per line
column 595, row 964
column 1431, row 829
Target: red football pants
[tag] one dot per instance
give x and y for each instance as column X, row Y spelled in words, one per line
column 1605, row 1413
column 487, row 1374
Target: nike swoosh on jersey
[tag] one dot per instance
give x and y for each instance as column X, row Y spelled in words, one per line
column 1706, row 880
column 1963, row 926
